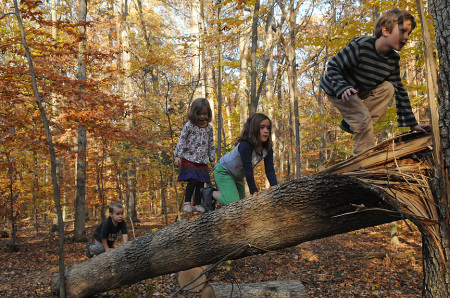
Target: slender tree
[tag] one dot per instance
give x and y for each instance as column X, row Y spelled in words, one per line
column 243, row 92
column 197, row 64
column 253, row 98
column 49, row 143
column 80, row 198
column 292, row 74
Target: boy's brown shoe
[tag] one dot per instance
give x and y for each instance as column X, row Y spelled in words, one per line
column 345, row 126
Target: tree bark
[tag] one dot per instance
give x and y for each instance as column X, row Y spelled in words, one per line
column 127, row 96
column 197, row 63
column 220, row 128
column 243, row 64
column 292, row 76
column 436, row 250
column 253, row 99
column 320, row 103
column 12, row 200
column 283, row 216
column 80, row 198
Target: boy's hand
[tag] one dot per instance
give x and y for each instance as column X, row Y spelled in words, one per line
column 212, row 164
column 347, row 93
column 105, row 244
column 178, row 161
column 420, row 127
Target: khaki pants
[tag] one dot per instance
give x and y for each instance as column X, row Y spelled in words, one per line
column 362, row 111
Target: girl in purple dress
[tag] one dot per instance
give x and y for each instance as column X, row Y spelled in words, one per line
column 194, row 150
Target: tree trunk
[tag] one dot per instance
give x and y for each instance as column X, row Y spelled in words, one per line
column 292, row 74
column 283, row 216
column 12, row 200
column 278, row 139
column 220, row 128
column 127, row 96
column 34, row 191
column 228, row 105
column 197, row 84
column 436, row 251
column 320, row 103
column 131, row 191
column 80, row 199
column 207, row 30
column 243, row 65
column 271, row 102
column 253, row 98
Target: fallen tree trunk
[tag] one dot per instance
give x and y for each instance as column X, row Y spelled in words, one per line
column 286, row 215
column 283, row 216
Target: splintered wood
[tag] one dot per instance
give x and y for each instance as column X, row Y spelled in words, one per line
column 402, row 168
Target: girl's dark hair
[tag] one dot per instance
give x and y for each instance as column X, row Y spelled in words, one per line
column 251, row 132
column 392, row 17
column 197, row 105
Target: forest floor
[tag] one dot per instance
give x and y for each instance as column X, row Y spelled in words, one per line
column 337, row 266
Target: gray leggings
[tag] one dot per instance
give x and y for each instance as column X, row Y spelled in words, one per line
column 96, row 248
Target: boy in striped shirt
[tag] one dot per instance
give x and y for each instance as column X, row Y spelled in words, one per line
column 364, row 76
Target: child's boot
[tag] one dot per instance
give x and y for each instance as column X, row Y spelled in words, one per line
column 208, row 200
column 88, row 250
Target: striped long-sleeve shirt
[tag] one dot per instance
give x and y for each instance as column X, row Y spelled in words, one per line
column 359, row 66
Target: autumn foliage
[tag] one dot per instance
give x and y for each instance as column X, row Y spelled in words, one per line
column 139, row 86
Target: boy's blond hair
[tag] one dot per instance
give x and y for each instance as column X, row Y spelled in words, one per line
column 114, row 206
column 392, row 17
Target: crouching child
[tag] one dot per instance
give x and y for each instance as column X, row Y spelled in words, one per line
column 106, row 233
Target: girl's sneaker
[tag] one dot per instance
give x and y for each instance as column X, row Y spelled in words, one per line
column 187, row 207
column 199, row 208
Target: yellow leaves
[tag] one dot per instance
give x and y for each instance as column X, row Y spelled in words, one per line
column 227, row 266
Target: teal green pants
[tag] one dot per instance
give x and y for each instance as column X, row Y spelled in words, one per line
column 231, row 190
